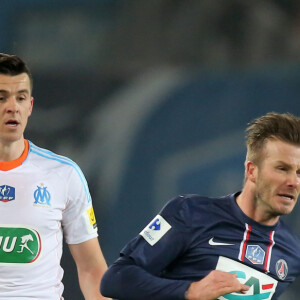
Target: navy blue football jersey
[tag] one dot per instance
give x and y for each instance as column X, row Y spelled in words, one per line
column 193, row 235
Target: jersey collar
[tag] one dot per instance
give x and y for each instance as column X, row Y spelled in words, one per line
column 12, row 164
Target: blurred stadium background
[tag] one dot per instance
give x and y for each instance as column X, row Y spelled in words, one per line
column 151, row 98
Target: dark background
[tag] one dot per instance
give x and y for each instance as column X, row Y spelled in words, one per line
column 151, row 98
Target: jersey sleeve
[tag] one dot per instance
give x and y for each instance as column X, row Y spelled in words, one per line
column 138, row 273
column 124, row 280
column 78, row 221
column 163, row 239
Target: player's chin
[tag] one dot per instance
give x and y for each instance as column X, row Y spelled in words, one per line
column 285, row 209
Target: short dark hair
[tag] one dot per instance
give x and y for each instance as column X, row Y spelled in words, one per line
column 284, row 127
column 13, row 65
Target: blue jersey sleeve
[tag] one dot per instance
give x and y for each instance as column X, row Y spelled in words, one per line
column 173, row 238
column 138, row 273
column 126, row 281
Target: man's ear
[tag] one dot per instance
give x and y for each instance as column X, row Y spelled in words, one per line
column 31, row 106
column 251, row 171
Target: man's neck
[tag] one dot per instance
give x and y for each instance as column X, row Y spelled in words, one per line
column 11, row 150
column 253, row 209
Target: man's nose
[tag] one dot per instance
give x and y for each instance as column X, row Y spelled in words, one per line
column 293, row 179
column 12, row 105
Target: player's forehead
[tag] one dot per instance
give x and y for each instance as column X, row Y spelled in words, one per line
column 14, row 83
column 277, row 150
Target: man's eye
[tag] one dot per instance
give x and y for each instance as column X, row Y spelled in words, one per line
column 282, row 168
column 21, row 98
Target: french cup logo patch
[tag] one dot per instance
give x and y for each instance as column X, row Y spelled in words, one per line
column 255, row 254
column 20, row 245
column 7, row 193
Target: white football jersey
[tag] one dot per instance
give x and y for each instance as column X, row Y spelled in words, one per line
column 43, row 199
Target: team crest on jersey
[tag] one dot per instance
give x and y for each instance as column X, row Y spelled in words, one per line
column 155, row 230
column 42, row 196
column 281, row 269
column 255, row 254
column 7, row 193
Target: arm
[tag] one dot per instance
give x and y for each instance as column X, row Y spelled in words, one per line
column 125, row 280
column 138, row 273
column 91, row 266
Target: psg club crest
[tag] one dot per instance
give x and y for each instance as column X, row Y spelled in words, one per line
column 281, row 269
column 7, row 193
column 42, row 196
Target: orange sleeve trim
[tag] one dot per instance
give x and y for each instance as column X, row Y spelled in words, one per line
column 9, row 165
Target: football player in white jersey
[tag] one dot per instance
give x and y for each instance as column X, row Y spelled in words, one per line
column 43, row 198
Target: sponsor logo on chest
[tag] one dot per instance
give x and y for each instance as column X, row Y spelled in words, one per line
column 19, row 245
column 262, row 286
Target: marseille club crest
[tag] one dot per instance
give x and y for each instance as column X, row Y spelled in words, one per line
column 42, row 196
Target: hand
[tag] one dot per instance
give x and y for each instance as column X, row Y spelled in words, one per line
column 215, row 284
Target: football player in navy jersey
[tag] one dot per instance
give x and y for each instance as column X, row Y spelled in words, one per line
column 233, row 247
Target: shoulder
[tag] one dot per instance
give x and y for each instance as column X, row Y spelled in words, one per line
column 193, row 206
column 192, row 201
column 45, row 157
column 61, row 167
column 187, row 201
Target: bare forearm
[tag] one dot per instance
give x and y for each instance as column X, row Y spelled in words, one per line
column 90, row 284
column 91, row 266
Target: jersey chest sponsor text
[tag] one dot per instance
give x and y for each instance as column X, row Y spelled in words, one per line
column 19, row 244
column 262, row 286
